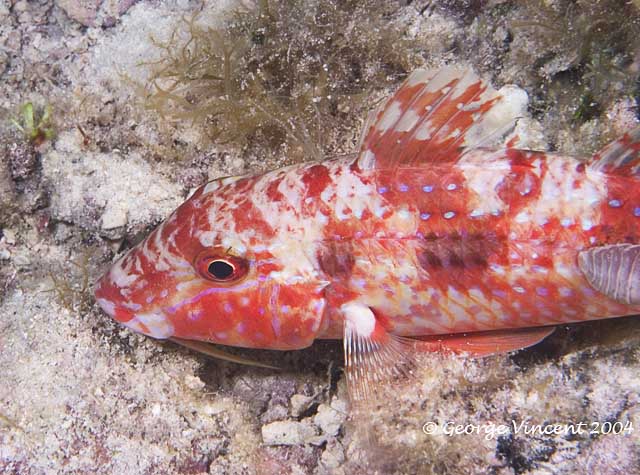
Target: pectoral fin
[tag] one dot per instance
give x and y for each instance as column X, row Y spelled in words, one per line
column 613, row 270
column 372, row 355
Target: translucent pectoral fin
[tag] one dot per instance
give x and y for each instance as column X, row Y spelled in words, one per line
column 375, row 357
column 372, row 355
column 613, row 270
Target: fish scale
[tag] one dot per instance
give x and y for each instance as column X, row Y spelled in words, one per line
column 426, row 240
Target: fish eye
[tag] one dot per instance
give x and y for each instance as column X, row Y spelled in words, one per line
column 218, row 266
column 221, row 269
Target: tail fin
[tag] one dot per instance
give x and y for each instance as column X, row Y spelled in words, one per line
column 622, row 156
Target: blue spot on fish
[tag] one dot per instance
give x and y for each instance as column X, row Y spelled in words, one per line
column 615, row 203
column 636, row 212
column 360, row 283
column 566, row 222
column 427, row 188
column 227, row 307
column 565, row 292
column 425, row 216
column 195, row 315
column 499, row 293
column 449, row 215
column 382, row 190
column 452, row 186
column 542, row 291
column 402, row 187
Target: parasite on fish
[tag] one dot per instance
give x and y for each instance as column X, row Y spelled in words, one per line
column 427, row 240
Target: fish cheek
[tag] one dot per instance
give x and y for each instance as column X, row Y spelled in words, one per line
column 201, row 319
column 296, row 314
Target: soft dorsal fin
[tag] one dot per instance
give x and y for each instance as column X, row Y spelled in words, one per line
column 434, row 117
column 622, row 156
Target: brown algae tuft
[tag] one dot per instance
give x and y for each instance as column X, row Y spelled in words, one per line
column 280, row 76
column 72, row 286
column 593, row 44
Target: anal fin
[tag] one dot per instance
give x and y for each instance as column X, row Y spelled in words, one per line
column 485, row 343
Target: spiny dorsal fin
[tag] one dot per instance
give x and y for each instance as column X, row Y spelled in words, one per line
column 434, row 117
column 622, row 156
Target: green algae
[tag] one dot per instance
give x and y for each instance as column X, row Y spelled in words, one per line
column 36, row 124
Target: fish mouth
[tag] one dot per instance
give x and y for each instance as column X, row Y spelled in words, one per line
column 154, row 323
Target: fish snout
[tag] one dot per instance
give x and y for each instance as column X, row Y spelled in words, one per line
column 111, row 297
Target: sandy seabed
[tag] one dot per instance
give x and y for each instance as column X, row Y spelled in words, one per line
column 80, row 394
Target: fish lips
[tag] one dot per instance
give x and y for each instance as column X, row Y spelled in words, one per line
column 153, row 323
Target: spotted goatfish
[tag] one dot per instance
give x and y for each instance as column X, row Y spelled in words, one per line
column 426, row 239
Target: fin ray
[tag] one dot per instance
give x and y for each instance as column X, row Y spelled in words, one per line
column 372, row 356
column 613, row 270
column 434, row 116
column 622, row 156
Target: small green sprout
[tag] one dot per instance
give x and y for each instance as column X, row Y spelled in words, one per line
column 36, row 126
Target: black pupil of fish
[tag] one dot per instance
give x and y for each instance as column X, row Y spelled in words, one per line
column 221, row 269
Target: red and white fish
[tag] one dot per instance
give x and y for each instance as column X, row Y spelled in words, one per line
column 423, row 234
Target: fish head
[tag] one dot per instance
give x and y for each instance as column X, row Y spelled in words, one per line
column 217, row 270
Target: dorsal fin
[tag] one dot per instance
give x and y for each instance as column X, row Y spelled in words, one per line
column 433, row 117
column 622, row 156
